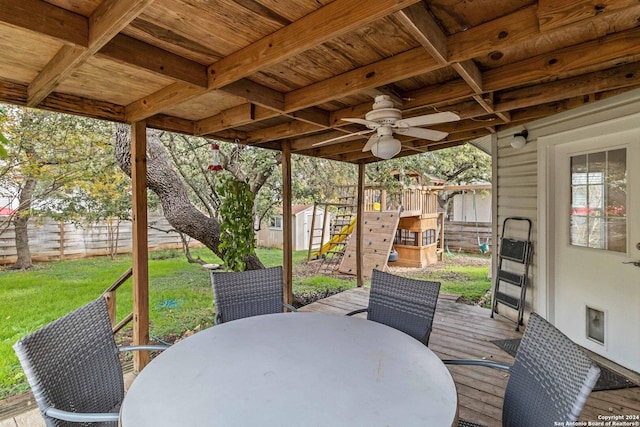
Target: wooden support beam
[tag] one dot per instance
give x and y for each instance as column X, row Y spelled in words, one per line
column 61, row 24
column 166, row 97
column 109, row 18
column 404, row 65
column 287, row 223
column 140, row 243
column 362, row 167
column 336, row 18
column 236, row 116
column 424, row 28
column 624, row 76
column 509, row 30
column 129, row 51
column 256, row 94
column 283, row 131
column 555, row 14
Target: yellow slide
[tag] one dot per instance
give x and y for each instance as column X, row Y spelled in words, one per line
column 333, row 242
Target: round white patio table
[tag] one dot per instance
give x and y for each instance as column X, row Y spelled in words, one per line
column 294, row 369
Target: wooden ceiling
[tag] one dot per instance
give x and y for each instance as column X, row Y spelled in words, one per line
column 274, row 72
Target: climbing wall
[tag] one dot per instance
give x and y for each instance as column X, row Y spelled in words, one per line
column 379, row 232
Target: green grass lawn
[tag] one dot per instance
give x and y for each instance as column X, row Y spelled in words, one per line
column 180, row 295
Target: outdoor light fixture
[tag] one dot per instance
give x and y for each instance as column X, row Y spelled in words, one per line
column 386, row 147
column 520, row 139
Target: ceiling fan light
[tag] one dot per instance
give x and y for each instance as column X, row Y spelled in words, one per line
column 386, row 147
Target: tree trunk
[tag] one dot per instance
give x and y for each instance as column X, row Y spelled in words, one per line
column 20, row 223
column 163, row 180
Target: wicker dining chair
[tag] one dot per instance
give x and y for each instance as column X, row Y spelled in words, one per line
column 549, row 382
column 248, row 293
column 73, row 368
column 403, row 303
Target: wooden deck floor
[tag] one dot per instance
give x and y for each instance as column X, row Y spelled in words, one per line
column 463, row 331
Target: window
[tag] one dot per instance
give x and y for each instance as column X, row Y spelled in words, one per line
column 428, row 237
column 406, row 237
column 598, row 200
column 276, row 222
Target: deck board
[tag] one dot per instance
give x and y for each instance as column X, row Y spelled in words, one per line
column 464, row 331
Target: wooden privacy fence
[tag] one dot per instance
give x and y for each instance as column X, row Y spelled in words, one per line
column 51, row 240
column 463, row 236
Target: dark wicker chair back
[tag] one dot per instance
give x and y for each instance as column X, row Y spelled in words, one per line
column 72, row 364
column 247, row 293
column 403, row 303
column 550, row 379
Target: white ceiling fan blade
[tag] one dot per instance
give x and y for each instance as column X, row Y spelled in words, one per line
column 338, row 138
column 430, row 134
column 370, row 142
column 367, row 123
column 428, row 119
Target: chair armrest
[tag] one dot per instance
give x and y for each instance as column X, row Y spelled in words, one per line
column 360, row 310
column 80, row 417
column 290, row 307
column 474, row 362
column 148, row 347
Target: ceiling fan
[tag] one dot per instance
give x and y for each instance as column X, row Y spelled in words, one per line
column 385, row 120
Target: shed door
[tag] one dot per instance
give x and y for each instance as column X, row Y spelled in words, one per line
column 597, row 230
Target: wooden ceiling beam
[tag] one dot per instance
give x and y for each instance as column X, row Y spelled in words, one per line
column 280, row 132
column 256, row 94
column 312, row 115
column 554, row 14
column 164, row 98
column 509, row 30
column 236, row 116
column 404, row 65
column 614, row 49
column 419, row 22
column 109, row 18
column 64, row 26
column 132, row 52
column 623, row 76
column 334, row 19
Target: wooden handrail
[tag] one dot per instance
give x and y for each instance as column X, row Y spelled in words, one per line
column 110, row 296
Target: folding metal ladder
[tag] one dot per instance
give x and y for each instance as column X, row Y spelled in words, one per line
column 514, row 258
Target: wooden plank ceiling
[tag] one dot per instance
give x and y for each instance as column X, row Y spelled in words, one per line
column 266, row 72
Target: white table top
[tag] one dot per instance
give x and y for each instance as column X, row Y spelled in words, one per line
column 294, row 369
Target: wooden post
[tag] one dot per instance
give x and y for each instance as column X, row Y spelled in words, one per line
column 110, row 297
column 140, row 243
column 287, row 223
column 360, row 224
column 61, row 244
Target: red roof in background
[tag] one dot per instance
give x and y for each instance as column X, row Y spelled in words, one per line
column 6, row 211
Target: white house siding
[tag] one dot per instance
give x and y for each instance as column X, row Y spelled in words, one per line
column 523, row 180
column 515, row 195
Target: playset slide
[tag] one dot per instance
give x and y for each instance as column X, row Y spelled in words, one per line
column 333, row 242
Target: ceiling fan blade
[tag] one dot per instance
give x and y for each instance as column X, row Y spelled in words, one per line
column 367, row 123
column 428, row 119
column 430, row 134
column 370, row 142
column 338, row 138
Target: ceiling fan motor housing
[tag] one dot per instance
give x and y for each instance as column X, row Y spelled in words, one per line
column 383, row 112
column 384, row 116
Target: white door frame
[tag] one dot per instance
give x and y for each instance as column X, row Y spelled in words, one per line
column 547, row 168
